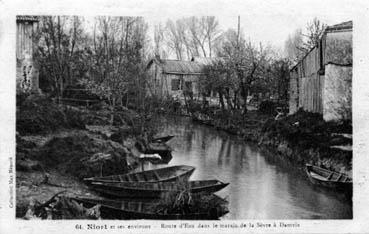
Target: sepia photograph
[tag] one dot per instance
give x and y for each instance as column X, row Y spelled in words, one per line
column 183, row 118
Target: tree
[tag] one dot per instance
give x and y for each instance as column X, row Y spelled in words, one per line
column 174, row 39
column 314, row 31
column 212, row 31
column 247, row 61
column 117, row 69
column 192, row 36
column 59, row 51
column 216, row 79
column 278, row 79
column 300, row 43
column 292, row 45
column 159, row 36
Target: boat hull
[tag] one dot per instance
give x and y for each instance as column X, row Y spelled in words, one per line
column 320, row 177
column 166, row 174
column 146, row 190
column 113, row 209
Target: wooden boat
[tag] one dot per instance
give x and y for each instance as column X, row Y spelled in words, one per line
column 162, row 149
column 329, row 179
column 156, row 190
column 173, row 173
column 115, row 209
column 162, row 139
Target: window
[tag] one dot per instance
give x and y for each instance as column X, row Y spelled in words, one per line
column 188, row 86
column 175, row 84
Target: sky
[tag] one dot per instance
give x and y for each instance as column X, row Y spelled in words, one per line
column 263, row 22
column 269, row 22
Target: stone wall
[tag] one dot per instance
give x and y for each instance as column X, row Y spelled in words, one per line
column 337, row 92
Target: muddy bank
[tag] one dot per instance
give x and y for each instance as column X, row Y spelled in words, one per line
column 52, row 163
column 57, row 146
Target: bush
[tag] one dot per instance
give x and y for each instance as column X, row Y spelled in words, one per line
column 305, row 129
column 267, row 107
column 184, row 202
column 71, row 155
column 37, row 115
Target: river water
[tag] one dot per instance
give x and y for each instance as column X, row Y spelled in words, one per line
column 261, row 185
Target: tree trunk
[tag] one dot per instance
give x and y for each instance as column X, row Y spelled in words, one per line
column 221, row 100
column 112, row 112
column 244, row 95
column 228, row 98
column 204, row 101
column 235, row 100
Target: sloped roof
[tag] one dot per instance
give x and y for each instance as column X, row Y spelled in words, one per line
column 341, row 26
column 27, row 18
column 344, row 26
column 178, row 66
column 205, row 60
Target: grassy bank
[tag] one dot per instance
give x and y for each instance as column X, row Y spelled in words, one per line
column 299, row 138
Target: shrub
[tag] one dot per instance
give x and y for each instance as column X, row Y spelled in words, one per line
column 37, row 115
column 267, row 107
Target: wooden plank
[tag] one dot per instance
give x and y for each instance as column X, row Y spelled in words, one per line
column 157, row 177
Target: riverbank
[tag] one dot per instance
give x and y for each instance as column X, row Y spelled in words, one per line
column 300, row 138
column 57, row 146
column 263, row 184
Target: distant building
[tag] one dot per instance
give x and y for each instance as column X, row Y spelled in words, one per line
column 171, row 78
column 321, row 81
column 27, row 72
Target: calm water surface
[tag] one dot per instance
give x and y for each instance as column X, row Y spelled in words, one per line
column 261, row 185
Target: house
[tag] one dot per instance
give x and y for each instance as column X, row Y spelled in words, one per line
column 174, row 78
column 27, row 72
column 321, row 81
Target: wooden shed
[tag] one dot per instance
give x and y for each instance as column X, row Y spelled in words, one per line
column 27, row 73
column 171, row 78
column 321, row 81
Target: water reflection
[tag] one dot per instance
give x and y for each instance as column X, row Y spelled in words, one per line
column 262, row 187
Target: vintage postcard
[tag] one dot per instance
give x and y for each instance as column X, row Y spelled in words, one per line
column 184, row 116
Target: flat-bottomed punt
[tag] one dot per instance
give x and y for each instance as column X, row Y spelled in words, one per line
column 113, row 209
column 173, row 173
column 156, row 190
column 329, row 179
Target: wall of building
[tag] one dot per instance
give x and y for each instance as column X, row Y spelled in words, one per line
column 337, row 92
column 160, row 83
column 338, row 48
column 155, row 84
column 306, row 84
column 167, row 84
column 321, row 81
column 24, row 39
column 293, row 91
column 27, row 74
